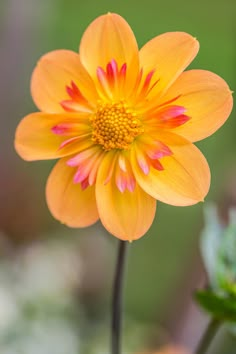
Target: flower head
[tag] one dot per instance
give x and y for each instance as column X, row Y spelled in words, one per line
column 122, row 122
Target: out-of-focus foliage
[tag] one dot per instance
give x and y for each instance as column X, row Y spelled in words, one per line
column 219, row 249
column 38, row 310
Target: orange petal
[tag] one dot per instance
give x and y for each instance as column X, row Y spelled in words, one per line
column 185, row 179
column 126, row 215
column 67, row 201
column 207, row 99
column 35, row 140
column 110, row 37
column 168, row 54
column 55, row 71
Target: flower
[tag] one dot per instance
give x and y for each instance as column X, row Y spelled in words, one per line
column 122, row 122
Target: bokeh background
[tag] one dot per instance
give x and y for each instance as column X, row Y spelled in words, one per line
column 55, row 283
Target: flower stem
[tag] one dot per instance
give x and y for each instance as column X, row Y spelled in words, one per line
column 208, row 336
column 117, row 300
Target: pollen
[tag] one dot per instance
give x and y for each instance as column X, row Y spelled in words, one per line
column 115, row 126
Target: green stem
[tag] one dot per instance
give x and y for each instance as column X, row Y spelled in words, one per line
column 117, row 300
column 208, row 336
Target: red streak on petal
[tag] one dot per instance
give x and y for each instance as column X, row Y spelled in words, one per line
column 77, row 102
column 148, row 79
column 73, row 91
column 112, row 71
column 157, row 165
column 145, row 89
column 84, row 184
column 176, row 122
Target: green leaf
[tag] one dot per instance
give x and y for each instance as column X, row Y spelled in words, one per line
column 219, row 306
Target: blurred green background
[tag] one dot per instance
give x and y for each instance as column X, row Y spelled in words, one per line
column 164, row 266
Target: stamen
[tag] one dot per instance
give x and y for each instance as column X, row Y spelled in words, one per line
column 115, row 126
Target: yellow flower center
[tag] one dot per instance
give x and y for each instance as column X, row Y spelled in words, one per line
column 115, row 126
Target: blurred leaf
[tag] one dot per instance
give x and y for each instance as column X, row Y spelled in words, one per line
column 210, row 242
column 219, row 306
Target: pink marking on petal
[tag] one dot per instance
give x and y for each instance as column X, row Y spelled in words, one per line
column 123, row 70
column 78, row 176
column 171, row 112
column 153, row 108
column 159, row 150
column 74, row 161
column 143, row 164
column 60, row 129
column 131, row 183
column 87, row 154
column 114, row 66
column 101, row 75
column 121, row 182
column 94, row 170
column 82, row 172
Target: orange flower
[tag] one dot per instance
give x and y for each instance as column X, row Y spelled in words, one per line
column 122, row 122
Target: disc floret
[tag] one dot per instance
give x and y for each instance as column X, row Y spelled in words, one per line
column 115, row 126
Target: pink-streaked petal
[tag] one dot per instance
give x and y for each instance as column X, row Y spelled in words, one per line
column 121, row 180
column 168, row 117
column 142, row 161
column 83, row 156
column 39, row 135
column 153, row 147
column 126, row 215
column 53, row 73
column 109, row 38
column 207, row 100
column 67, row 201
column 185, row 178
column 168, row 54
